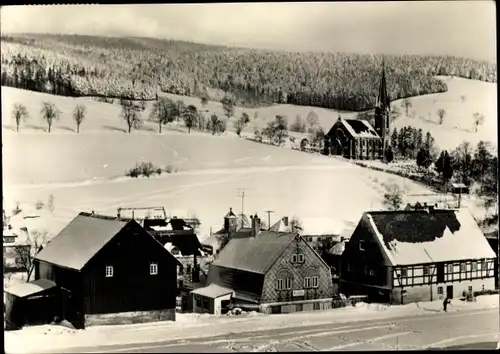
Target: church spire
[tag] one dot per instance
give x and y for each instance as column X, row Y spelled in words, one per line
column 383, row 101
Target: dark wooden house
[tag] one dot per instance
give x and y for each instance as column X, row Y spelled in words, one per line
column 273, row 272
column 105, row 266
column 417, row 255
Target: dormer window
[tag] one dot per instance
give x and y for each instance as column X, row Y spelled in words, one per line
column 109, row 271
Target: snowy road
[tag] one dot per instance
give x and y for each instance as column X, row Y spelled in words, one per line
column 436, row 330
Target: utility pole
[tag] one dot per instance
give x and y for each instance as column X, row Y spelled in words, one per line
column 269, row 218
column 242, row 195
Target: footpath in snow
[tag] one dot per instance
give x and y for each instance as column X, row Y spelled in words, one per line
column 57, row 337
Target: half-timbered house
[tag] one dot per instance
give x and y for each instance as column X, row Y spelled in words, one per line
column 273, row 272
column 417, row 255
column 106, row 266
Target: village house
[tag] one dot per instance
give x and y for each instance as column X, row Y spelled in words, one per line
column 417, row 255
column 271, row 272
column 357, row 138
column 104, row 266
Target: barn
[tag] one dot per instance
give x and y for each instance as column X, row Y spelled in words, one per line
column 109, row 271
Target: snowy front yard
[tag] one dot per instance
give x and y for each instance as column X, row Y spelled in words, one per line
column 56, row 337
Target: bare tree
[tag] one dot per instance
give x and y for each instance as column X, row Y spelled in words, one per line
column 406, row 104
column 215, row 124
column 393, row 196
column 49, row 113
column 441, row 113
column 50, row 203
column 189, row 115
column 131, row 113
column 478, row 120
column 25, row 254
column 79, row 116
column 240, row 124
column 204, row 101
column 19, row 113
column 312, row 120
column 163, row 112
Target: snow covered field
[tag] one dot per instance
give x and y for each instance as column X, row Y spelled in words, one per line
column 52, row 337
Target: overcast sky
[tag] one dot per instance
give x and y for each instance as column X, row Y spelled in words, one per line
column 464, row 28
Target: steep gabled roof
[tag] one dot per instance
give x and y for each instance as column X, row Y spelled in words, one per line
column 357, row 128
column 82, row 238
column 254, row 254
column 414, row 237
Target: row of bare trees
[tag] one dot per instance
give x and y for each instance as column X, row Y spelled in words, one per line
column 49, row 113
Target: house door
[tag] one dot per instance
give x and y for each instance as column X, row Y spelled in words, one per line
column 449, row 291
column 440, row 273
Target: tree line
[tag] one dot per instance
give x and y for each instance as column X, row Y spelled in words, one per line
column 140, row 68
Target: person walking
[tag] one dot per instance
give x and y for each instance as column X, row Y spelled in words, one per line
column 445, row 304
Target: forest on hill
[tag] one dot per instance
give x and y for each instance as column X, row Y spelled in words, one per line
column 140, row 68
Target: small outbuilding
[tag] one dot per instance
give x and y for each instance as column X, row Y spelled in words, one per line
column 32, row 303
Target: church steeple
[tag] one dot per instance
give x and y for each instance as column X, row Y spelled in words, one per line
column 382, row 110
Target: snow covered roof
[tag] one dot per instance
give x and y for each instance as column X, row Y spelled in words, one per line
column 34, row 287
column 212, row 291
column 414, row 237
column 357, row 128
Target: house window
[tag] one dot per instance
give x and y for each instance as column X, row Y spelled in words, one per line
column 404, row 272
column 109, row 271
column 153, row 268
column 279, row 284
column 288, row 283
column 315, row 282
column 426, row 270
column 307, row 282
column 463, row 267
column 440, row 290
column 474, row 265
column 450, row 268
column 361, row 245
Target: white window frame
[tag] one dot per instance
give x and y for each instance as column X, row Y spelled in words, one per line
column 315, row 282
column 300, row 258
column 307, row 282
column 153, row 268
column 279, row 284
column 361, row 245
column 288, row 283
column 110, row 271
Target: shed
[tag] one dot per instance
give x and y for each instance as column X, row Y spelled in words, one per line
column 33, row 303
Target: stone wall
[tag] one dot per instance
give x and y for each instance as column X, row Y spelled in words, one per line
column 129, row 317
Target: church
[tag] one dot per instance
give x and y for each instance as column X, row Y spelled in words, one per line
column 358, row 139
